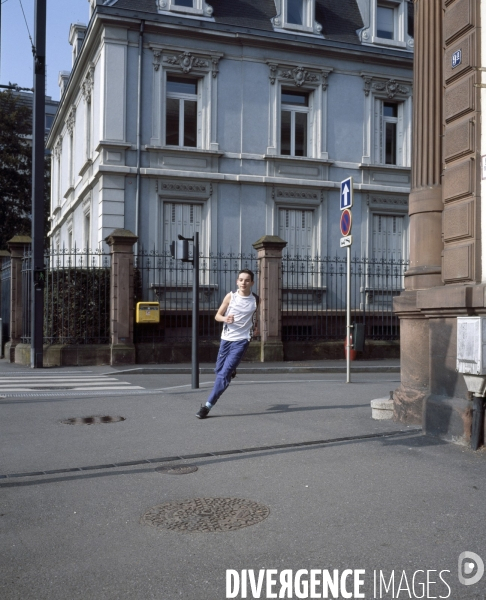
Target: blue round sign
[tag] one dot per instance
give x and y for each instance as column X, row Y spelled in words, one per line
column 346, row 221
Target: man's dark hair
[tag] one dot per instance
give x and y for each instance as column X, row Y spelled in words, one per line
column 248, row 272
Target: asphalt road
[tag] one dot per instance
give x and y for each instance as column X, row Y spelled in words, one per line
column 380, row 497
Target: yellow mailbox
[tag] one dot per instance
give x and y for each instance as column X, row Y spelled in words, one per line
column 148, row 312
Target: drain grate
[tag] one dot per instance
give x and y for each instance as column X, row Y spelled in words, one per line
column 96, row 420
column 180, row 470
column 206, row 515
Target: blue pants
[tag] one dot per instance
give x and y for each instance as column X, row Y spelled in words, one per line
column 229, row 357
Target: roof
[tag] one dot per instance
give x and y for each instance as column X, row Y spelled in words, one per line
column 339, row 18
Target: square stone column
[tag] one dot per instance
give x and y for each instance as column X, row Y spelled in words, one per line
column 121, row 243
column 269, row 248
column 17, row 246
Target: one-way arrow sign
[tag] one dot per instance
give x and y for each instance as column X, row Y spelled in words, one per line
column 346, row 199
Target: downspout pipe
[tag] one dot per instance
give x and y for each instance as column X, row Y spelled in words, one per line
column 139, row 134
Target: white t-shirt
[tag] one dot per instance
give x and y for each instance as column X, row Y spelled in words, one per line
column 243, row 309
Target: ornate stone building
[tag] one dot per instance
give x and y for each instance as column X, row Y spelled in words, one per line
column 236, row 118
column 447, row 273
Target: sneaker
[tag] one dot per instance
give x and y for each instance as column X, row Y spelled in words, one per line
column 233, row 374
column 203, row 412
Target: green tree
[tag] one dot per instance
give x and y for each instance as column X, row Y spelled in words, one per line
column 16, row 169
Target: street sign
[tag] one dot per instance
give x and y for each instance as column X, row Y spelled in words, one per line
column 346, row 222
column 346, row 197
column 346, row 241
column 456, row 59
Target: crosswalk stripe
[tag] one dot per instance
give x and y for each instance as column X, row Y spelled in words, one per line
column 45, row 383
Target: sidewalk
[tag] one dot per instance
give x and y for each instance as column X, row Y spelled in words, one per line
column 326, row 487
column 310, row 366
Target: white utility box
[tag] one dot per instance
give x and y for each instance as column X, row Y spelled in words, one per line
column 471, row 345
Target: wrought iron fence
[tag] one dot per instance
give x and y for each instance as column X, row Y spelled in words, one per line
column 158, row 277
column 5, row 278
column 314, row 297
column 76, row 297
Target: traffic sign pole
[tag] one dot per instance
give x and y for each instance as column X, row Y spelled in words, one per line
column 348, row 315
column 345, row 204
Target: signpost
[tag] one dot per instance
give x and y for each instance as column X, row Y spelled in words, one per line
column 180, row 251
column 346, row 222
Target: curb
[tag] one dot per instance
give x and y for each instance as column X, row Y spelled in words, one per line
column 255, row 370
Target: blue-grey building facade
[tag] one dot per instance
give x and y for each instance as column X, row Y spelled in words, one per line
column 236, row 119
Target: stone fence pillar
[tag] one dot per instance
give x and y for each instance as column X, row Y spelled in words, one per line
column 17, row 245
column 269, row 248
column 121, row 243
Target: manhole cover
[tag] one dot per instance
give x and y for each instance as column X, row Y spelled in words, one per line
column 206, row 514
column 92, row 420
column 180, row 470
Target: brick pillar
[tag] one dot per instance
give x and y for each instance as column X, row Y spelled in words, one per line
column 121, row 243
column 269, row 248
column 4, row 257
column 17, row 245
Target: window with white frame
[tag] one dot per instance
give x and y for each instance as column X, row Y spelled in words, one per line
column 392, row 138
column 181, row 115
column 185, row 99
column 71, row 160
column 181, row 218
column 298, row 118
column 88, row 128
column 296, row 15
column 387, row 237
column 390, row 23
column 389, row 134
column 387, row 251
column 294, row 123
column 295, row 226
column 388, row 122
column 190, row 7
column 87, row 230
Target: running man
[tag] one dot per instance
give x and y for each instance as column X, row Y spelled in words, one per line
column 237, row 313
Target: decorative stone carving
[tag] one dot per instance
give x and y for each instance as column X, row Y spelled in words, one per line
column 273, row 72
column 71, row 119
column 299, row 75
column 325, row 84
column 297, row 195
column 157, row 55
column 367, row 85
column 390, row 201
column 88, row 83
column 58, row 147
column 183, row 187
column 365, row 35
column 392, row 88
column 215, row 62
column 187, row 61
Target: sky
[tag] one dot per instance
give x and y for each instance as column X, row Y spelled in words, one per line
column 16, row 62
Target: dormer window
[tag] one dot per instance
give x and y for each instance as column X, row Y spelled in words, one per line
column 190, row 7
column 296, row 12
column 385, row 22
column 390, row 24
column 296, row 15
